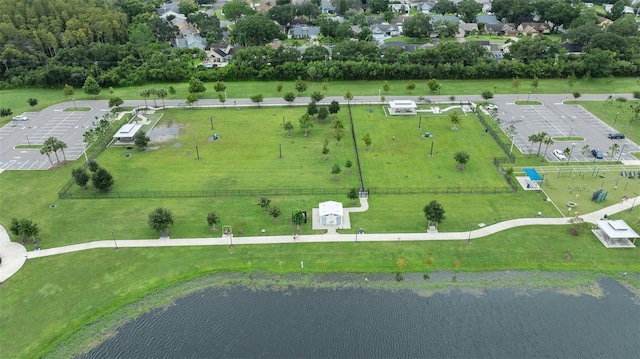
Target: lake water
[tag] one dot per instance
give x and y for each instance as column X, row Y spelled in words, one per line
column 238, row 322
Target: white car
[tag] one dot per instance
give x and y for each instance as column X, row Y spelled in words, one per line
column 20, row 118
column 559, row 155
column 492, row 107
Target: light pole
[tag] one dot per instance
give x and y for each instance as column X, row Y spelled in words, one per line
column 74, row 103
column 529, row 95
column 114, row 239
column 29, row 143
column 511, row 149
column 570, row 132
column 635, row 196
column 84, row 148
column 380, row 95
column 621, row 153
column 470, row 227
column 616, row 119
column 573, row 145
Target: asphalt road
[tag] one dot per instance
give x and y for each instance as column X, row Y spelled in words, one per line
column 552, row 117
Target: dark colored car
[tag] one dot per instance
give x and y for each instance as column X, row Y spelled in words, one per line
column 616, row 135
column 597, row 154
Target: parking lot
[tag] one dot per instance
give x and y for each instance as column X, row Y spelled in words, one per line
column 558, row 120
column 67, row 126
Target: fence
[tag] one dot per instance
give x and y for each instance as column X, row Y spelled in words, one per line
column 498, row 161
column 494, row 134
column 441, row 190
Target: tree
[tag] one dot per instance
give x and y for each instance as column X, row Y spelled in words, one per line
column 80, row 176
column 52, row 144
column 418, row 26
column 5, row 112
column 334, row 107
column 145, row 94
column 141, row 140
column 186, row 7
column 317, row 96
column 378, row 6
column 257, row 99
column 515, row 82
column 24, row 228
column 614, row 150
column 538, row 138
column 323, row 113
column 60, row 145
column 325, row 149
column 274, row 212
column 297, row 218
column 160, row 219
column 411, row 86
column 443, row 7
column 305, row 123
column 172, row 90
column 220, row 87
column 91, row 87
column 535, row 82
column 348, row 96
column 486, row 94
column 46, row 150
column 434, row 85
column 213, row 220
column 93, row 165
column 32, row 101
column 621, row 100
column 192, row 98
column 386, row 87
column 338, row 134
column 68, row 90
column 469, row 9
column 222, row 98
column 461, row 158
column 455, row 119
column 353, row 195
column 348, row 165
column 548, row 141
column 115, row 102
column 434, row 212
column 301, row 86
column 234, row 9
column 288, row 127
column 162, row 94
column 367, row 141
column 256, row 30
column 335, row 171
column 196, row 86
column 102, row 179
column 312, row 108
column 576, row 95
column 289, row 97
column 264, row 203
column 279, row 86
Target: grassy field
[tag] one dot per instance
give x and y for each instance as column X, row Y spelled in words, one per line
column 17, row 99
column 56, row 296
column 67, row 292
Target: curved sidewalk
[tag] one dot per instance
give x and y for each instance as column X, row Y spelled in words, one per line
column 14, row 255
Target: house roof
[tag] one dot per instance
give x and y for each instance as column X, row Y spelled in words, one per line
column 403, row 104
column 305, row 31
column 617, row 229
column 330, row 208
column 403, row 45
column 468, row 26
column 128, row 130
column 451, row 18
column 487, row 19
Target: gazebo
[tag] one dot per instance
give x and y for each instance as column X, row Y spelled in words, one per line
column 402, row 107
column 331, row 213
column 615, row 234
column 126, row 132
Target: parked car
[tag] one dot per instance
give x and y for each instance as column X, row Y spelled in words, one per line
column 597, row 154
column 616, row 135
column 559, row 155
column 20, row 118
column 492, row 107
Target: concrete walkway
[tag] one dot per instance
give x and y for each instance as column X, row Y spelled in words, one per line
column 14, row 255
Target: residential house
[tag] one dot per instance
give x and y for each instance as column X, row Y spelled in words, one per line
column 501, row 29
column 326, row 7
column 533, row 28
column 487, row 19
column 572, row 49
column 191, row 41
column 468, row 28
column 304, row 32
column 423, row 7
column 402, row 8
column 403, row 45
column 451, row 18
column 221, row 52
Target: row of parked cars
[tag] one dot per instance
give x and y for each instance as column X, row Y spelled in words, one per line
column 560, row 155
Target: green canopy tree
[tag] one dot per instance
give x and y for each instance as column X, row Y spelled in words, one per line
column 213, row 220
column 160, row 219
column 80, row 177
column 102, row 179
column 434, row 213
column 91, row 87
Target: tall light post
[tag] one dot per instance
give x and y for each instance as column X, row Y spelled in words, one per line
column 529, row 95
column 573, row 145
column 74, row 103
column 29, row 143
column 470, row 227
column 622, row 153
column 635, row 196
column 114, row 239
column 616, row 119
column 570, row 132
column 380, row 95
column 511, row 149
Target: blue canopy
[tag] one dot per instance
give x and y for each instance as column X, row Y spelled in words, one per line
column 533, row 174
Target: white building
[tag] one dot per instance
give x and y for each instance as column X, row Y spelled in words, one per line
column 331, row 213
column 402, row 107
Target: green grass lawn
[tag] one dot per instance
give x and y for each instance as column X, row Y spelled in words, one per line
column 17, row 99
column 67, row 292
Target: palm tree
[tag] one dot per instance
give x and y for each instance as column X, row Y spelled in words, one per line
column 145, row 94
column 46, row 150
column 51, row 143
column 548, row 141
column 162, row 93
column 61, row 146
column 540, row 137
column 532, row 138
